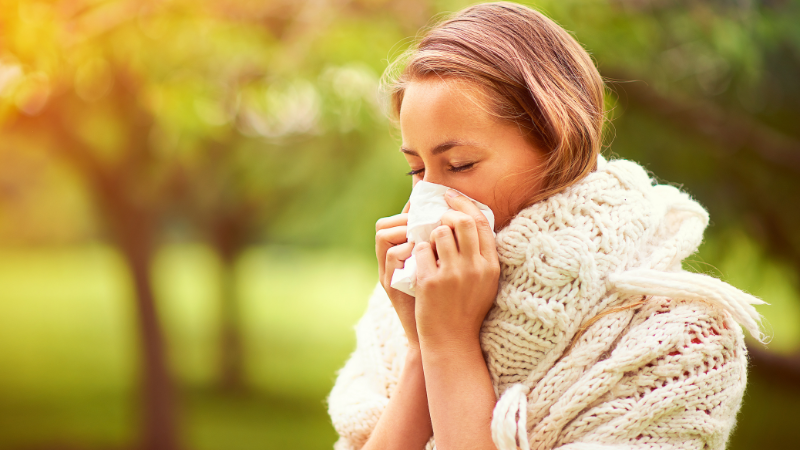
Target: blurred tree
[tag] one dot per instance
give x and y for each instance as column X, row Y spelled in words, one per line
column 134, row 97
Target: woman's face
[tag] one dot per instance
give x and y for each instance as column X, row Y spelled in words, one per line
column 450, row 138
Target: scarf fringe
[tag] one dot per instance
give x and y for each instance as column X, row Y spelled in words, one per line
column 510, row 421
column 694, row 286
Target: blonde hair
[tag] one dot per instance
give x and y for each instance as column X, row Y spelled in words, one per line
column 536, row 75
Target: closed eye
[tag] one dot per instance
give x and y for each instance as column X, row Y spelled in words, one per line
column 461, row 168
column 456, row 169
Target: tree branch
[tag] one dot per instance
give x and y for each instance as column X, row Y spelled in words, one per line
column 50, row 124
column 732, row 131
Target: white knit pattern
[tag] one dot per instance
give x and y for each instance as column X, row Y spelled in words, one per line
column 669, row 373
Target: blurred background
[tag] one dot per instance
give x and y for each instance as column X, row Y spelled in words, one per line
column 188, row 192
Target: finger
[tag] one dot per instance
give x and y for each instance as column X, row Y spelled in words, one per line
column 386, row 239
column 442, row 237
column 396, row 256
column 389, row 237
column 395, row 259
column 426, row 262
column 466, row 232
column 485, row 232
column 392, row 221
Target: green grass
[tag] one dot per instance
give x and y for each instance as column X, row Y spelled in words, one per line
column 68, row 349
column 68, row 352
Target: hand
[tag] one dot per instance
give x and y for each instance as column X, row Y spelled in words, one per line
column 392, row 249
column 455, row 293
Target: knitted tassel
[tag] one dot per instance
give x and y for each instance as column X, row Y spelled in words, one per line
column 693, row 286
column 506, row 431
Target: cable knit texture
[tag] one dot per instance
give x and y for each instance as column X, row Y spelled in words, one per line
column 573, row 365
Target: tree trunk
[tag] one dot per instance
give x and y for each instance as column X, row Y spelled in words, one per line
column 159, row 425
column 158, row 409
column 131, row 222
column 227, row 237
column 232, row 353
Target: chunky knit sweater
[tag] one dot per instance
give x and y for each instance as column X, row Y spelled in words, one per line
column 597, row 338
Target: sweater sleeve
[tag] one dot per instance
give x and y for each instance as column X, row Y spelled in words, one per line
column 365, row 383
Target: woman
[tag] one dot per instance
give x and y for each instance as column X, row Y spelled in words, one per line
column 574, row 327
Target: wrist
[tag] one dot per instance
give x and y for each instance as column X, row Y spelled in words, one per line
column 455, row 335
column 413, row 342
column 412, row 367
column 414, row 353
column 452, row 347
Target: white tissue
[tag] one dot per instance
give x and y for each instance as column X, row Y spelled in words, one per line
column 424, row 215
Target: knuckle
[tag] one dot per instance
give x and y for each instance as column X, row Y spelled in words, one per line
column 472, row 272
column 451, row 277
column 441, row 231
column 394, row 252
column 481, row 221
column 464, row 221
column 391, row 221
column 427, row 280
column 494, row 269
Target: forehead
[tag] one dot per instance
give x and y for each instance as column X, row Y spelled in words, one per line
column 444, row 109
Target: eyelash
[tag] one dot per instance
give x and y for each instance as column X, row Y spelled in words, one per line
column 455, row 169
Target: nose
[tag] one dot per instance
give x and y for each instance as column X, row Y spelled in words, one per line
column 432, row 178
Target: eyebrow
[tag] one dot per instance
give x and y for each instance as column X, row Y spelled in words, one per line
column 441, row 148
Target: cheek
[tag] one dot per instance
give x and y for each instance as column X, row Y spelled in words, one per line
column 511, row 192
column 513, row 186
column 485, row 187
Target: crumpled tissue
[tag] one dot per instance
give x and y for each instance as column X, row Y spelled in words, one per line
column 427, row 206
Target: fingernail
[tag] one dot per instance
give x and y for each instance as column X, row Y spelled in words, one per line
column 452, row 193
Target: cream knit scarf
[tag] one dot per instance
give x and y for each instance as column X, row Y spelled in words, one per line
column 575, row 367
